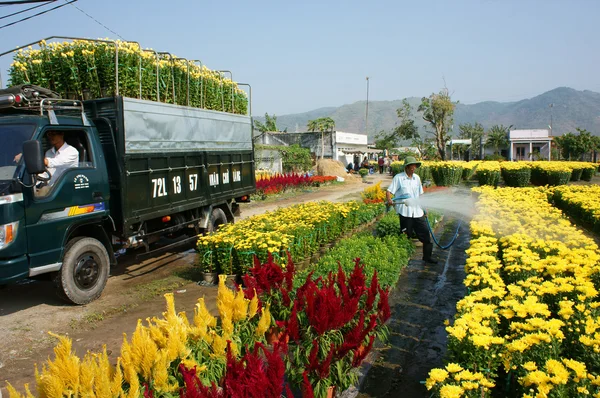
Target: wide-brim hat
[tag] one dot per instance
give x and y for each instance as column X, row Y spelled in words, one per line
column 411, row 160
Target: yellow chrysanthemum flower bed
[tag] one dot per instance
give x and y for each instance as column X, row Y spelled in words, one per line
column 81, row 68
column 532, row 308
column 299, row 229
column 580, row 201
column 154, row 351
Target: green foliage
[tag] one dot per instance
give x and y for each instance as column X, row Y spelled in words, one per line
column 446, row 174
column 576, row 173
column 587, row 174
column 293, row 157
column 559, row 177
column 438, row 111
column 387, row 255
column 388, row 225
column 497, row 137
column 517, row 177
column 270, row 124
column 488, row 177
column 539, row 176
column 473, row 132
column 363, row 172
column 495, row 157
column 573, row 146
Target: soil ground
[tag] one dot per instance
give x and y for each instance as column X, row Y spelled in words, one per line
column 29, row 310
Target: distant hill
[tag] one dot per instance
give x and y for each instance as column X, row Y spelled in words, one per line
column 571, row 109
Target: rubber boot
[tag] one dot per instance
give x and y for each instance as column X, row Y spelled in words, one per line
column 427, row 253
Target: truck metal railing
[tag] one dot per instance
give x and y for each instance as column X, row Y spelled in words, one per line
column 158, row 55
column 196, row 62
column 232, row 89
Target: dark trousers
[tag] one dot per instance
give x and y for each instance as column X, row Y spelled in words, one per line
column 408, row 225
column 380, row 169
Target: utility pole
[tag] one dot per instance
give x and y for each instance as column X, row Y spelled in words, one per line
column 367, row 112
column 551, row 131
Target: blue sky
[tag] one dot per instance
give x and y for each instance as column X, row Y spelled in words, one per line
column 307, row 54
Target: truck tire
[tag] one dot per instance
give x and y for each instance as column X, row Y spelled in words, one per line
column 84, row 271
column 217, row 218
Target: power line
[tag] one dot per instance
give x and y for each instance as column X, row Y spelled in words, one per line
column 35, row 15
column 98, row 22
column 9, row 3
column 27, row 9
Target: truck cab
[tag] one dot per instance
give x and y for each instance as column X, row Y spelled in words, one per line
column 42, row 214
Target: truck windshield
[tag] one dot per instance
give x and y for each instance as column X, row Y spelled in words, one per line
column 12, row 137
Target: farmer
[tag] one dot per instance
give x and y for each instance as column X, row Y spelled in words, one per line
column 412, row 216
column 381, row 163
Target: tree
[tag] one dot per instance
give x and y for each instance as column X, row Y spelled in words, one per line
column 497, row 137
column 438, row 111
column 406, row 130
column 270, row 124
column 322, row 124
column 576, row 146
column 474, row 132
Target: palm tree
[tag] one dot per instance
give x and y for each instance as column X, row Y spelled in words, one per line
column 497, row 137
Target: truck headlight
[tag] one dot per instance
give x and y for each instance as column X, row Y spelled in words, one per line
column 8, row 233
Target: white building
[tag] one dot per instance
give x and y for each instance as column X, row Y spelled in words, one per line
column 527, row 144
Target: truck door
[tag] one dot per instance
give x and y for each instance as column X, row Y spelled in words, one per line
column 77, row 193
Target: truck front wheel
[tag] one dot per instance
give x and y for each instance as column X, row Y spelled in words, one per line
column 84, row 270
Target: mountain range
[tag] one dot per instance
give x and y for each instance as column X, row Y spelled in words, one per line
column 570, row 109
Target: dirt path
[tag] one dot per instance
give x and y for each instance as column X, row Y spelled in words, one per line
column 134, row 291
column 424, row 298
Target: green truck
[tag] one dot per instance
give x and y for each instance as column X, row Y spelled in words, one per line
column 146, row 170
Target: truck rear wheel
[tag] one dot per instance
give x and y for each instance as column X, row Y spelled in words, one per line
column 84, row 271
column 217, row 218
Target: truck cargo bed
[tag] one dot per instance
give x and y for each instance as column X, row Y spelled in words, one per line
column 164, row 159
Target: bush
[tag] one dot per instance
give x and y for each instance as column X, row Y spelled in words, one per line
column 516, row 174
column 498, row 158
column 425, row 172
column 587, row 173
column 446, row 174
column 388, row 225
column 488, row 173
column 559, row 177
column 539, row 176
column 576, row 173
column 293, row 158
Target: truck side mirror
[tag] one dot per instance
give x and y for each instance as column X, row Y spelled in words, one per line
column 34, row 157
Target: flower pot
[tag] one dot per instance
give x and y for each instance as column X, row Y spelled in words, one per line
column 87, row 94
column 231, row 281
column 210, row 277
column 330, row 391
column 275, row 335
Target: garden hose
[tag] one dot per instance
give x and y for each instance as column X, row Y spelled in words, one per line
column 451, row 241
column 400, row 200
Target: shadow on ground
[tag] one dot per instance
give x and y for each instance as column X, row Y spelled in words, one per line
column 424, row 298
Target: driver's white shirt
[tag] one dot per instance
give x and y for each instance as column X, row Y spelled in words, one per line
column 61, row 160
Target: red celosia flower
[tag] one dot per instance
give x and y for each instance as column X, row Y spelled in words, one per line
column 383, row 307
column 357, row 279
column 307, row 390
column 372, row 292
column 148, row 393
column 361, row 352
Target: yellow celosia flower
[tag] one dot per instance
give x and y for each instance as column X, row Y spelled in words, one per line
column 264, row 322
